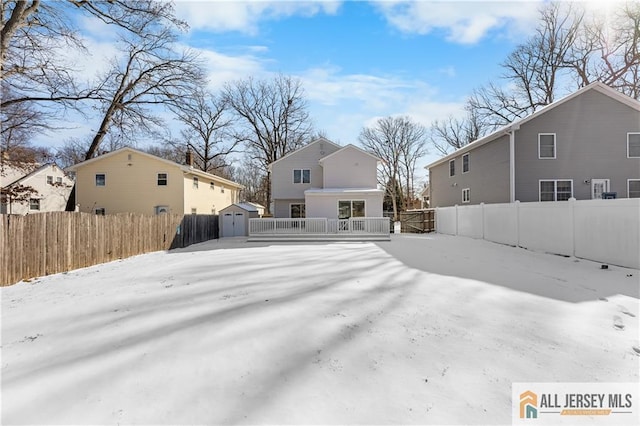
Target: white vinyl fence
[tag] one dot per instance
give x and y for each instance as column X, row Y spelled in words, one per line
column 319, row 226
column 605, row 231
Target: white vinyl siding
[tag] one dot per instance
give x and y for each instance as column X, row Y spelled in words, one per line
column 556, row 189
column 633, row 145
column 633, row 188
column 546, row 145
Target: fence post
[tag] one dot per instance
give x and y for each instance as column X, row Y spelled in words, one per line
column 482, row 215
column 572, row 200
column 456, row 231
column 517, row 213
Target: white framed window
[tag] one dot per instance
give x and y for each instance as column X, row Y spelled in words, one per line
column 633, row 145
column 212, row 185
column 466, row 195
column 555, row 189
column 297, row 211
column 163, row 179
column 222, row 189
column 195, row 182
column 301, row 176
column 100, row 211
column 452, row 167
column 34, row 204
column 546, row 146
column 59, row 180
column 465, row 163
column 101, row 179
column 351, row 208
column 633, row 188
column 50, row 180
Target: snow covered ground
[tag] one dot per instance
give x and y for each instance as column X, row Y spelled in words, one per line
column 419, row 330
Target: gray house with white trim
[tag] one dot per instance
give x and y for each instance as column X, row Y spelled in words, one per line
column 325, row 180
column 586, row 145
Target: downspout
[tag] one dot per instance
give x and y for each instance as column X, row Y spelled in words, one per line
column 512, row 162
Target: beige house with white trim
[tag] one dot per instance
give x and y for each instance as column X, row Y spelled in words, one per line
column 50, row 185
column 325, row 180
column 129, row 180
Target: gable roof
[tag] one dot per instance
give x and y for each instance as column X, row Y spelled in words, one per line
column 183, row 167
column 33, row 173
column 350, row 147
column 597, row 86
column 319, row 140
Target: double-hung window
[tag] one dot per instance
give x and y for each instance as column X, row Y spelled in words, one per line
column 546, row 145
column 633, row 188
column 50, row 180
column 452, row 168
column 195, row 182
column 162, row 179
column 466, row 195
column 556, row 190
column 301, row 176
column 101, row 179
column 465, row 163
column 34, row 204
column 633, row 145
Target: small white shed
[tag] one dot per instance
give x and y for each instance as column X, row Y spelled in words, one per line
column 234, row 219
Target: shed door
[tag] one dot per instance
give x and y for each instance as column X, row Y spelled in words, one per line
column 227, row 225
column 238, row 225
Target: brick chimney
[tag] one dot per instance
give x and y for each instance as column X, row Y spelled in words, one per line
column 189, row 158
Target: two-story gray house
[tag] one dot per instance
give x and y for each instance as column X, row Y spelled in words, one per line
column 586, row 145
column 325, row 180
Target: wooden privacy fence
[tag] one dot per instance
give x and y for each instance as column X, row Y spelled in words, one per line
column 417, row 221
column 49, row 243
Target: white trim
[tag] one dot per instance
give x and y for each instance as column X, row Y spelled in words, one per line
column 468, row 191
column 555, row 146
column 631, row 133
column 95, row 181
column 607, row 185
column 302, row 182
column 453, row 160
column 555, row 188
column 166, row 178
column 298, row 204
column 350, row 146
column 630, row 180
column 351, row 200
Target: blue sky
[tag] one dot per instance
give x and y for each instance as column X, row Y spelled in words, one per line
column 358, row 60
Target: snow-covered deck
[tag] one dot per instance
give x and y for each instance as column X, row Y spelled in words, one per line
column 319, row 229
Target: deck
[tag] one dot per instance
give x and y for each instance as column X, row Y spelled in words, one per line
column 320, row 229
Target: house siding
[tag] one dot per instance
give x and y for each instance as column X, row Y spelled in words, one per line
column 305, row 158
column 487, row 178
column 52, row 197
column 350, row 169
column 325, row 205
column 205, row 199
column 591, row 143
column 281, row 207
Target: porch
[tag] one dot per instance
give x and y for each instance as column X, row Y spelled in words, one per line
column 320, row 229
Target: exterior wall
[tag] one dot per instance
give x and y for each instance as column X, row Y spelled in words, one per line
column 591, row 143
column 326, row 205
column 130, row 185
column 305, row 158
column 204, row 199
column 52, row 197
column 281, row 207
column 487, row 178
column 350, row 168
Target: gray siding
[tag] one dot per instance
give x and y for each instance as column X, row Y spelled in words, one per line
column 350, row 168
column 305, row 158
column 591, row 143
column 487, row 178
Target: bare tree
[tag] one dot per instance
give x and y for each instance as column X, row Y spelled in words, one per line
column 207, row 130
column 250, row 175
column 273, row 119
column 454, row 133
column 399, row 142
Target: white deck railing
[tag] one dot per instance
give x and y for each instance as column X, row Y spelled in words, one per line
column 319, row 226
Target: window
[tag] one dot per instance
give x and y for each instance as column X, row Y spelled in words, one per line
column 633, row 145
column 350, row 208
column 556, row 190
column 101, row 179
column 452, row 167
column 633, row 188
column 100, row 211
column 297, row 211
column 222, row 189
column 194, row 211
column 302, row 176
column 50, row 180
column 547, row 145
column 34, row 204
column 162, row 179
column 195, row 182
column 465, row 195
column 465, row 163
column 59, row 180
column 212, row 185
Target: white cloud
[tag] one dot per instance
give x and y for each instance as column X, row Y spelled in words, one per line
column 464, row 22
column 244, row 16
column 222, row 68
